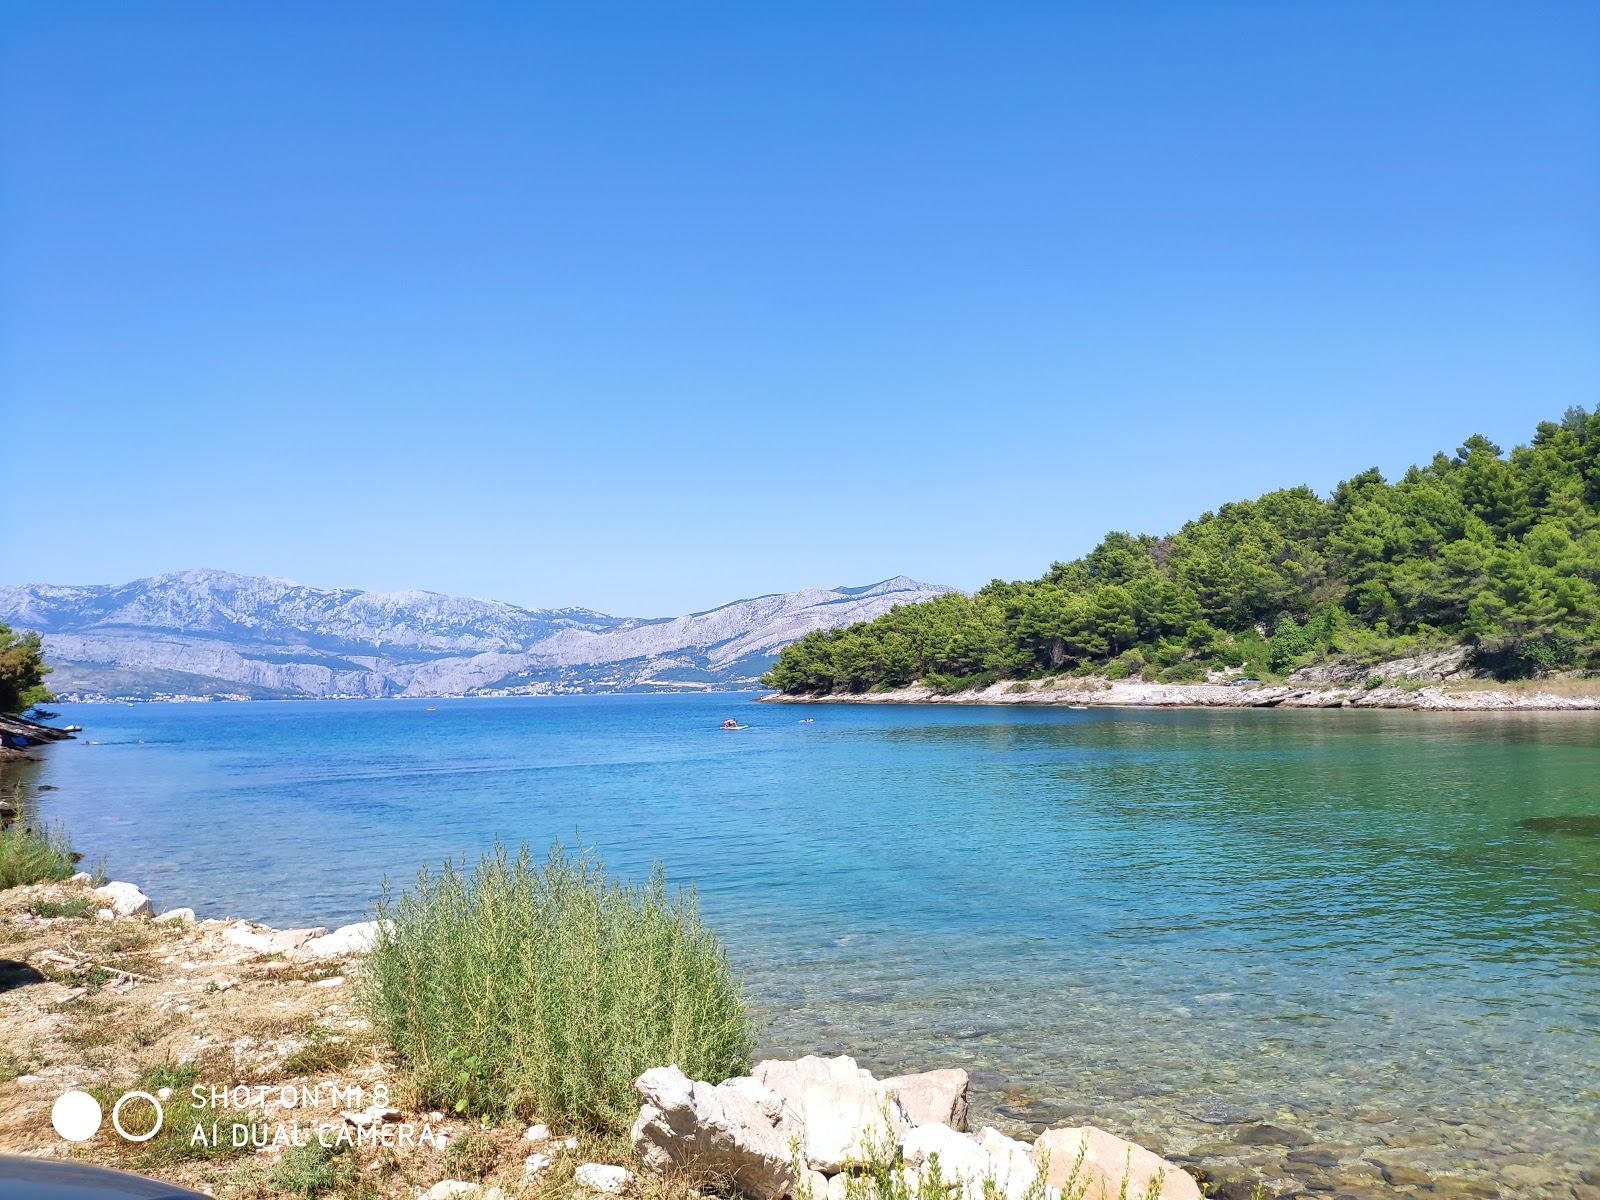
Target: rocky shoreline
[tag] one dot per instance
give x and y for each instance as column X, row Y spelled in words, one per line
column 93, row 984
column 93, row 979
column 1135, row 693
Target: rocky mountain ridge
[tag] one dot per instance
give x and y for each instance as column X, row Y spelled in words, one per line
column 214, row 633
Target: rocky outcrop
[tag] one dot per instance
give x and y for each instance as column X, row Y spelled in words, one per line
column 730, row 1131
column 1106, row 1160
column 838, row 1117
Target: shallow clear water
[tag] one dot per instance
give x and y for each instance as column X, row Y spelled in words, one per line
column 1330, row 921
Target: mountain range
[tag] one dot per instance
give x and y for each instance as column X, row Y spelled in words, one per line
column 206, row 633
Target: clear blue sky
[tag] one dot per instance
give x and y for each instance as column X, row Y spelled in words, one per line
column 650, row 307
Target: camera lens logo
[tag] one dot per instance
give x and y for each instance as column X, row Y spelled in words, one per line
column 77, row 1116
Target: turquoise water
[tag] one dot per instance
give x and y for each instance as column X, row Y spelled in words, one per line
column 1184, row 925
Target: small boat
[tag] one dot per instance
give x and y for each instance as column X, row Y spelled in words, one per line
column 730, row 723
column 1078, row 707
column 805, row 720
column 433, row 708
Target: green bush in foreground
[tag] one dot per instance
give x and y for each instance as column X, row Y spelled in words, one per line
column 29, row 855
column 524, row 990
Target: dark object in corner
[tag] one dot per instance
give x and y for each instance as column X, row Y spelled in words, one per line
column 50, row 1179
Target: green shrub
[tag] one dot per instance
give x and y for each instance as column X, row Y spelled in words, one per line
column 76, row 906
column 29, row 855
column 522, row 990
column 311, row 1169
column 1129, row 662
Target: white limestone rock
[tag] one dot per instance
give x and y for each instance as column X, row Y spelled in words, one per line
column 840, row 1107
column 844, row 1115
column 961, row 1159
column 1106, row 1159
column 176, row 914
column 933, row 1097
column 599, row 1177
column 125, row 900
column 347, row 939
column 724, row 1130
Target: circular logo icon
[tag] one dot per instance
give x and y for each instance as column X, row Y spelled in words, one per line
column 116, row 1116
column 76, row 1116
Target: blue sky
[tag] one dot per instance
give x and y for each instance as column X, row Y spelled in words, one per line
column 649, row 307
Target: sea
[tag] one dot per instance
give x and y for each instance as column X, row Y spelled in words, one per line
column 1316, row 946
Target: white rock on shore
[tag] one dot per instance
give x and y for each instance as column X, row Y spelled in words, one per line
column 841, row 1108
column 835, row 1112
column 933, row 1097
column 730, row 1130
column 960, row 1157
column 347, row 939
column 125, row 900
column 602, row 1178
column 1106, row 1158
column 176, row 914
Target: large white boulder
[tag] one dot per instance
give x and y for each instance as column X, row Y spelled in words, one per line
column 1106, row 1159
column 125, row 900
column 961, row 1159
column 1010, row 1163
column 347, row 939
column 842, row 1109
column 730, row 1130
column 933, row 1097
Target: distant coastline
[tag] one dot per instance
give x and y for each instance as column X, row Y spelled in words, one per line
column 1471, row 696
